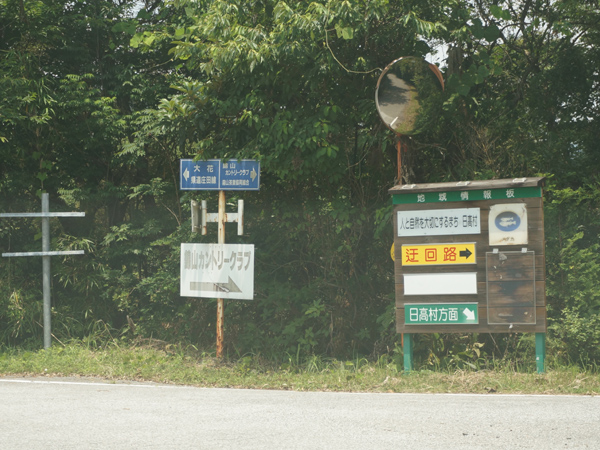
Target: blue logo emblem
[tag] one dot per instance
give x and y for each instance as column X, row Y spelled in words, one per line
column 507, row 221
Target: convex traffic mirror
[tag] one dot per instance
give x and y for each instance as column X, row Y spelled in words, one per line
column 406, row 90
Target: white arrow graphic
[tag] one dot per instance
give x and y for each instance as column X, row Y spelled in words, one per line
column 470, row 314
column 253, row 174
column 186, row 174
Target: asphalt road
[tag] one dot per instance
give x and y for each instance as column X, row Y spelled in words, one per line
column 70, row 414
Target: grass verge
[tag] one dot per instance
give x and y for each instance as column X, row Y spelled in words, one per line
column 177, row 366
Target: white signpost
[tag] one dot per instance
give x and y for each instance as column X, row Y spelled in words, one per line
column 217, row 270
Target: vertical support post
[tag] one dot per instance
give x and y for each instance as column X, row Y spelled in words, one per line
column 240, row 214
column 203, row 215
column 408, row 352
column 221, row 240
column 540, row 352
column 46, row 272
column 195, row 210
column 399, row 152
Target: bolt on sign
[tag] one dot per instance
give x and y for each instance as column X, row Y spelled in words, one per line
column 470, row 257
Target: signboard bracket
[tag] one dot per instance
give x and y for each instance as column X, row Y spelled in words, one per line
column 200, row 217
column 237, row 217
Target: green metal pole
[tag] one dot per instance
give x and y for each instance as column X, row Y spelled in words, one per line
column 540, row 352
column 408, row 352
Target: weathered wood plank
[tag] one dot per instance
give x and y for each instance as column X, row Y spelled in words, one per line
column 514, row 314
column 481, row 297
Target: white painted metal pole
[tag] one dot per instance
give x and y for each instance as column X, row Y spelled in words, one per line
column 46, row 272
column 240, row 217
column 204, row 217
column 195, row 209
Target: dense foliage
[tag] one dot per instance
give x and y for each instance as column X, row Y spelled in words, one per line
column 101, row 99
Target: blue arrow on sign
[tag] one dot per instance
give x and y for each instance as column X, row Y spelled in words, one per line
column 216, row 175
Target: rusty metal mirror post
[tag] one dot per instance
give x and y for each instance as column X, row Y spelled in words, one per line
column 404, row 90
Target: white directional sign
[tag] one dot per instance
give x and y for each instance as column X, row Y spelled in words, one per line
column 217, row 271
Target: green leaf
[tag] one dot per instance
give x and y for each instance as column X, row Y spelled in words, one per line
column 463, row 89
column 346, row 33
column 148, row 40
column 143, row 14
column 482, row 73
column 496, row 11
column 491, row 33
column 136, row 40
column 499, row 13
column 124, row 27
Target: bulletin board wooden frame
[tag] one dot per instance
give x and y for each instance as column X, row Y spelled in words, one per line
column 510, row 297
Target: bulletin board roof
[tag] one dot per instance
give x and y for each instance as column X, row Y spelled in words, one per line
column 468, row 185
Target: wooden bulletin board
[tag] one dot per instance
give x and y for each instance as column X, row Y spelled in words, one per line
column 470, row 257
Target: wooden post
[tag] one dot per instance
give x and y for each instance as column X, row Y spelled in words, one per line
column 200, row 218
column 221, row 240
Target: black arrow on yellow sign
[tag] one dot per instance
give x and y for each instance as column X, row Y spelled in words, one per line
column 466, row 253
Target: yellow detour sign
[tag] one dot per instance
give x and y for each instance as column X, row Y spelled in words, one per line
column 438, row 254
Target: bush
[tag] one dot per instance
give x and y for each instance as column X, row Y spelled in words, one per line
column 578, row 337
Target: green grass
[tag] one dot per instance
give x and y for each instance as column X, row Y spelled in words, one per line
column 175, row 365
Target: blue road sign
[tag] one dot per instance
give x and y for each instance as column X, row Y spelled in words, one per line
column 216, row 175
